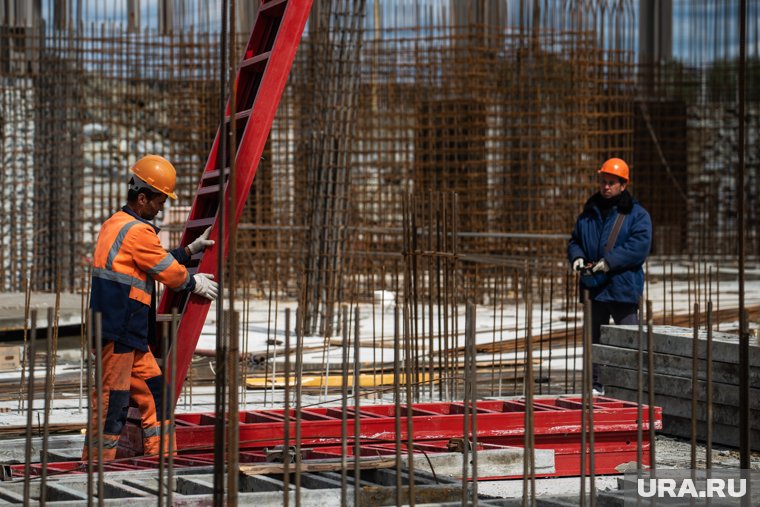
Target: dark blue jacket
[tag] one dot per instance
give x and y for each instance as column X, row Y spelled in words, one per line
column 626, row 258
column 128, row 257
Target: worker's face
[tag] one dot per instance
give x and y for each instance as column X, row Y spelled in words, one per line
column 149, row 208
column 610, row 186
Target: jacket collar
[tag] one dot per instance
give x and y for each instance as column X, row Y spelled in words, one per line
column 126, row 209
column 625, row 206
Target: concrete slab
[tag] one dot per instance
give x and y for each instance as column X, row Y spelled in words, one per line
column 681, row 407
column 491, row 463
column 678, row 341
column 723, row 394
column 722, row 434
column 669, row 364
column 12, row 309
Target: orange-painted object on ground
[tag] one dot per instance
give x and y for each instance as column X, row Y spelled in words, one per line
column 261, row 79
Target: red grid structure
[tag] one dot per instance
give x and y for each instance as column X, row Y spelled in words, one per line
column 500, row 424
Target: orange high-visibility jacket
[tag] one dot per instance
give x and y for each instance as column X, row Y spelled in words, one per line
column 128, row 257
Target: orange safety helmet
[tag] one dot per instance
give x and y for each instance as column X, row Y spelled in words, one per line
column 157, row 172
column 616, row 167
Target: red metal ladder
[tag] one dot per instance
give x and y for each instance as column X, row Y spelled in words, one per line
column 261, row 78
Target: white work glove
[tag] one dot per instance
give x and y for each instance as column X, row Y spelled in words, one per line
column 579, row 263
column 601, row 265
column 205, row 286
column 201, row 242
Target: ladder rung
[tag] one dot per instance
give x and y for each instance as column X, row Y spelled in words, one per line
column 200, row 223
column 210, row 175
column 240, row 115
column 211, row 189
column 273, row 8
column 256, row 63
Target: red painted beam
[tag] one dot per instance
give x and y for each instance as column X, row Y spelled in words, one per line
column 557, row 423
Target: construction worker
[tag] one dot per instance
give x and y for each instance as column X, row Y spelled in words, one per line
column 610, row 242
column 128, row 257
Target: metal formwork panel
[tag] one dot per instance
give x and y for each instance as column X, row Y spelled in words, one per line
column 500, row 425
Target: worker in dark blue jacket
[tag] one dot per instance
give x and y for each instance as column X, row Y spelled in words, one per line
column 613, row 273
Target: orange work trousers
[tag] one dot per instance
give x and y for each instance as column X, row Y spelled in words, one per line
column 128, row 374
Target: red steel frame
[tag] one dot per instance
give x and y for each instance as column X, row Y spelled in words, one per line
column 261, row 78
column 557, row 423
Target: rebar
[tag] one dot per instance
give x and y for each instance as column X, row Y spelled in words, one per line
column 31, row 354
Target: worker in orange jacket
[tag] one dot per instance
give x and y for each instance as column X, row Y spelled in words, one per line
column 128, row 258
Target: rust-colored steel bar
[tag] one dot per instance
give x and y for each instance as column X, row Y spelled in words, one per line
column 30, row 353
column 694, row 386
column 650, row 380
column 709, row 393
column 744, row 382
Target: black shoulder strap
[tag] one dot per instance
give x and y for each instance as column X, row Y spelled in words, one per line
column 614, row 233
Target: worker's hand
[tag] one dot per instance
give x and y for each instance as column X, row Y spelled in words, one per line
column 205, row 286
column 201, row 242
column 601, row 265
column 579, row 263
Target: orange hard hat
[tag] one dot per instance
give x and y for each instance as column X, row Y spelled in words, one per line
column 157, row 172
column 616, row 167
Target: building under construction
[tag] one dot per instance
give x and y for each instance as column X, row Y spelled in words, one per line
column 394, row 183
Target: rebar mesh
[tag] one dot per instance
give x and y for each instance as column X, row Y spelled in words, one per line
column 510, row 106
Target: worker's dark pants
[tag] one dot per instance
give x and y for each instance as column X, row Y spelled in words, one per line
column 601, row 311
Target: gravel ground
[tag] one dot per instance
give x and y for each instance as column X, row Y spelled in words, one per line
column 676, row 453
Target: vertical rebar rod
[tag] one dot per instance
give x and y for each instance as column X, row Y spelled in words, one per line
column 431, row 320
column 48, row 400
column 650, row 385
column 233, row 422
column 408, row 380
column 466, row 409
column 551, row 316
column 82, row 345
column 90, row 399
column 694, row 386
column 27, row 306
column 165, row 393
column 709, row 394
column 286, row 415
column 30, row 352
column 474, row 402
column 585, row 391
column 744, row 384
column 357, row 409
column 344, row 408
column 529, row 454
column 672, row 298
column 640, row 389
column 397, row 404
column 221, row 336
column 99, row 394
column 299, row 385
column 717, row 295
column 171, row 405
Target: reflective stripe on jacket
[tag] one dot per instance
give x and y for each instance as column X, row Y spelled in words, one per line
column 128, row 257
